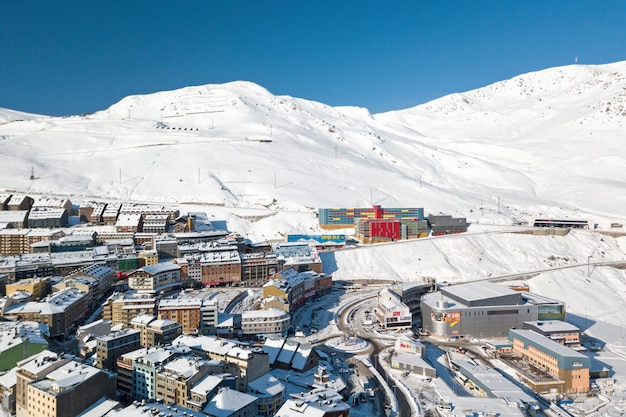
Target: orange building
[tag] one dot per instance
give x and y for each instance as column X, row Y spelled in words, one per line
column 569, row 369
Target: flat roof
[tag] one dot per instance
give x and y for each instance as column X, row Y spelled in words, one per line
column 479, row 290
column 553, row 326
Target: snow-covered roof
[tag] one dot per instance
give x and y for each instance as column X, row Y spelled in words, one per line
column 66, row 376
column 55, row 303
column 10, row 216
column 412, row 359
column 209, row 383
column 100, row 408
column 495, row 383
column 227, row 402
column 158, row 268
column 9, row 379
column 15, row 333
column 270, row 313
column 207, row 344
column 287, row 352
column 266, row 385
column 301, row 356
column 549, row 326
column 128, row 220
column 272, row 347
column 140, row 410
column 46, row 213
column 186, row 367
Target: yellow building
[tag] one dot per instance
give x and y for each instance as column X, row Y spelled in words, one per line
column 150, row 257
column 37, row 287
column 122, row 308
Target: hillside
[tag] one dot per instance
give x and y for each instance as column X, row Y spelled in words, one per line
column 543, row 143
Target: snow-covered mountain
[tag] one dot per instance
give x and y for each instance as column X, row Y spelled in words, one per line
column 543, row 142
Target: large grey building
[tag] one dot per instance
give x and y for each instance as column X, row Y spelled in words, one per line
column 482, row 310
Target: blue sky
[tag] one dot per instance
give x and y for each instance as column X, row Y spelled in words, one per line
column 71, row 57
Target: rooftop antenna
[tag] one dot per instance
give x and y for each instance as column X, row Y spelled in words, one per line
column 32, row 172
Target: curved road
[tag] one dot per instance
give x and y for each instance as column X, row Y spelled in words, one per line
column 343, row 323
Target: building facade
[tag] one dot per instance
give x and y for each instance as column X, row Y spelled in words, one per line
column 481, row 310
column 570, row 368
column 155, row 278
column 261, row 324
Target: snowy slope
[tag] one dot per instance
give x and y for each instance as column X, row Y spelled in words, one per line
column 541, row 143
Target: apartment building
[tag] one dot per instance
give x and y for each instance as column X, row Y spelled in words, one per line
column 19, row 241
column 129, row 223
column 145, row 363
column 270, row 393
column 175, row 379
column 21, row 267
column 47, row 217
column 155, row 278
column 301, row 256
column 207, row 388
column 149, row 209
column 62, row 311
column 102, row 274
column 111, row 346
column 121, row 308
column 149, row 257
column 569, row 369
column 37, row 287
column 256, row 268
column 72, row 243
column 231, row 403
column 261, row 324
column 91, row 211
column 68, row 390
column 20, row 202
column 246, row 364
column 33, row 369
column 155, row 332
column 156, row 223
column 110, row 213
column 217, row 267
column 197, row 313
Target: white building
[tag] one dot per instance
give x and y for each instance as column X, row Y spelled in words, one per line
column 154, row 278
column 261, row 324
column 391, row 312
column 270, row 393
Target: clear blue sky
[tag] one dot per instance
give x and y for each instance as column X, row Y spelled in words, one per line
column 70, row 57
